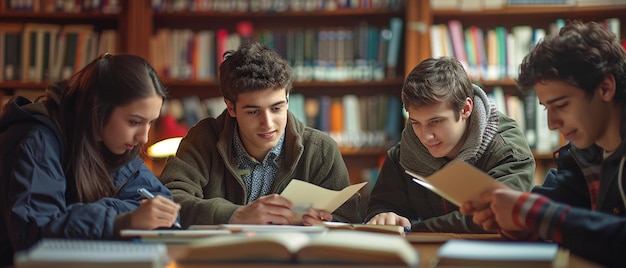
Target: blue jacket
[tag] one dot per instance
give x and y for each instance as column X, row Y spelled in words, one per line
column 34, row 192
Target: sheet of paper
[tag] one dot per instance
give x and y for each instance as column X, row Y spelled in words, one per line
column 305, row 195
column 459, row 182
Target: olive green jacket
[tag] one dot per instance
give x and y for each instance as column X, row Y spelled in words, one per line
column 207, row 185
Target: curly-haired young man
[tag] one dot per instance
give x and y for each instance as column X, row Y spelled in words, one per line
column 579, row 75
column 230, row 169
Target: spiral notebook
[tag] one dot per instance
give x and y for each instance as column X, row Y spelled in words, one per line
column 92, row 253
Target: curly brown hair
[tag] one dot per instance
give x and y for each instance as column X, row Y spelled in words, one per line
column 253, row 67
column 581, row 55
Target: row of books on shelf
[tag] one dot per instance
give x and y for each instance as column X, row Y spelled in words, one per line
column 372, row 121
column 69, row 6
column 474, row 5
column 531, row 117
column 564, row 2
column 34, row 52
column 492, row 53
column 363, row 52
column 353, row 121
column 272, row 6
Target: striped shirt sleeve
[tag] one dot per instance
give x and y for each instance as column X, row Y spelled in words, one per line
column 541, row 216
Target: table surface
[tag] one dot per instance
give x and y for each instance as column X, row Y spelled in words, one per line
column 427, row 253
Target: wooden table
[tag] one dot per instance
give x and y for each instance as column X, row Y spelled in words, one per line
column 427, row 253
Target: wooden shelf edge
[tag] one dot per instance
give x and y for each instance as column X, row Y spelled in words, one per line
column 13, row 85
column 350, row 83
column 281, row 14
column 351, row 151
column 529, row 9
column 211, row 89
column 95, row 15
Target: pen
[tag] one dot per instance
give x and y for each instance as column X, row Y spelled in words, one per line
column 143, row 192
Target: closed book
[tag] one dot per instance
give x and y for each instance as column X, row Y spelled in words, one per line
column 72, row 36
column 456, row 252
column 393, row 54
column 12, row 61
column 455, row 28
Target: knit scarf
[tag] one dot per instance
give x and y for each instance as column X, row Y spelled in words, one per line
column 483, row 126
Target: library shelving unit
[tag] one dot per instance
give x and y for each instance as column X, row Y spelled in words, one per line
column 138, row 21
column 97, row 19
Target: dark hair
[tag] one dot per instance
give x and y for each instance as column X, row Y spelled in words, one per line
column 437, row 80
column 83, row 104
column 253, row 67
column 581, row 55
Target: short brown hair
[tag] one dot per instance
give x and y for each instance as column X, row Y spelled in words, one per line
column 437, row 80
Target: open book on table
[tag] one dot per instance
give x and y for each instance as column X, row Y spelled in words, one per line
column 332, row 247
column 500, row 254
column 458, row 182
column 304, row 195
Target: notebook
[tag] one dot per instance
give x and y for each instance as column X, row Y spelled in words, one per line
column 91, row 253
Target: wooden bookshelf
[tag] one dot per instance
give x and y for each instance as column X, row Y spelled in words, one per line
column 137, row 22
column 357, row 160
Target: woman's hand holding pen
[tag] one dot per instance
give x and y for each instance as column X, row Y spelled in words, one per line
column 154, row 213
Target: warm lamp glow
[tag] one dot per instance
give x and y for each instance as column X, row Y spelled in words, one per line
column 164, row 148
